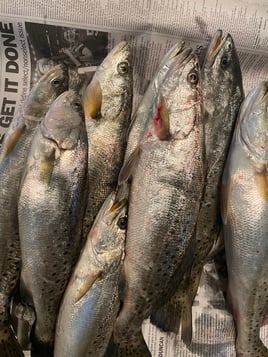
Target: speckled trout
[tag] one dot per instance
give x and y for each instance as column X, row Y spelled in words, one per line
column 51, row 207
column 245, row 218
column 12, row 160
column 167, row 170
column 91, row 303
column 222, row 95
column 107, row 103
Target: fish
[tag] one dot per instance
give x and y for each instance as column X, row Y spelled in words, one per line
column 107, row 103
column 91, row 302
column 163, row 210
column 244, row 210
column 51, row 206
column 12, row 160
column 223, row 94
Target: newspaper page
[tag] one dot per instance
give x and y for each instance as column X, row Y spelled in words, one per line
column 36, row 34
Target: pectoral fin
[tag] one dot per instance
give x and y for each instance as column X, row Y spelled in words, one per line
column 262, row 184
column 92, row 99
column 87, row 284
column 225, row 193
column 13, row 140
column 47, row 166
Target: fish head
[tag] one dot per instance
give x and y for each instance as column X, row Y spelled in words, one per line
column 145, row 106
column 46, row 90
column 64, row 120
column 167, row 62
column 253, row 125
column 179, row 100
column 221, row 74
column 110, row 90
column 109, row 229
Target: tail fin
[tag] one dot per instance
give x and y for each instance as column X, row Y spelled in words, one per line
column 39, row 349
column 9, row 345
column 135, row 347
column 175, row 313
column 168, row 317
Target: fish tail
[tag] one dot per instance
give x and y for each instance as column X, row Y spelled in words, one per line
column 9, row 345
column 186, row 323
column 167, row 318
column 41, row 349
column 135, row 347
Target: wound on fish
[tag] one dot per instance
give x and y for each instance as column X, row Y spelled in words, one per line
column 161, row 120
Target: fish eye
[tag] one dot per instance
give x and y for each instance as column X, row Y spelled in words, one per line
column 122, row 222
column 77, row 105
column 56, row 82
column 122, row 68
column 224, row 62
column 193, row 77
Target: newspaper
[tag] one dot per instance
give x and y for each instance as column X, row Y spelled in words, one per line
column 36, row 34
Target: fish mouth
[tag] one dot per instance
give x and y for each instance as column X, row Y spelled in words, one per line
column 183, row 57
column 119, row 47
column 176, row 50
column 215, row 46
column 264, row 92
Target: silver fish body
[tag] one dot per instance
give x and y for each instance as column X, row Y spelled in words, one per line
column 166, row 189
column 245, row 217
column 12, row 160
column 91, row 303
column 107, row 104
column 51, row 207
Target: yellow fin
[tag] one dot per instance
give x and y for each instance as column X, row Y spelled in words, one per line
column 46, row 168
column 92, row 99
column 118, row 204
column 161, row 120
column 87, row 284
column 13, row 140
column 262, row 184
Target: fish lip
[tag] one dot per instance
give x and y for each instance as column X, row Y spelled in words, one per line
column 215, row 46
column 119, row 47
column 265, row 90
column 183, row 58
column 176, row 50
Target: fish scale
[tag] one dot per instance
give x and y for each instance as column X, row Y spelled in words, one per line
column 245, row 216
